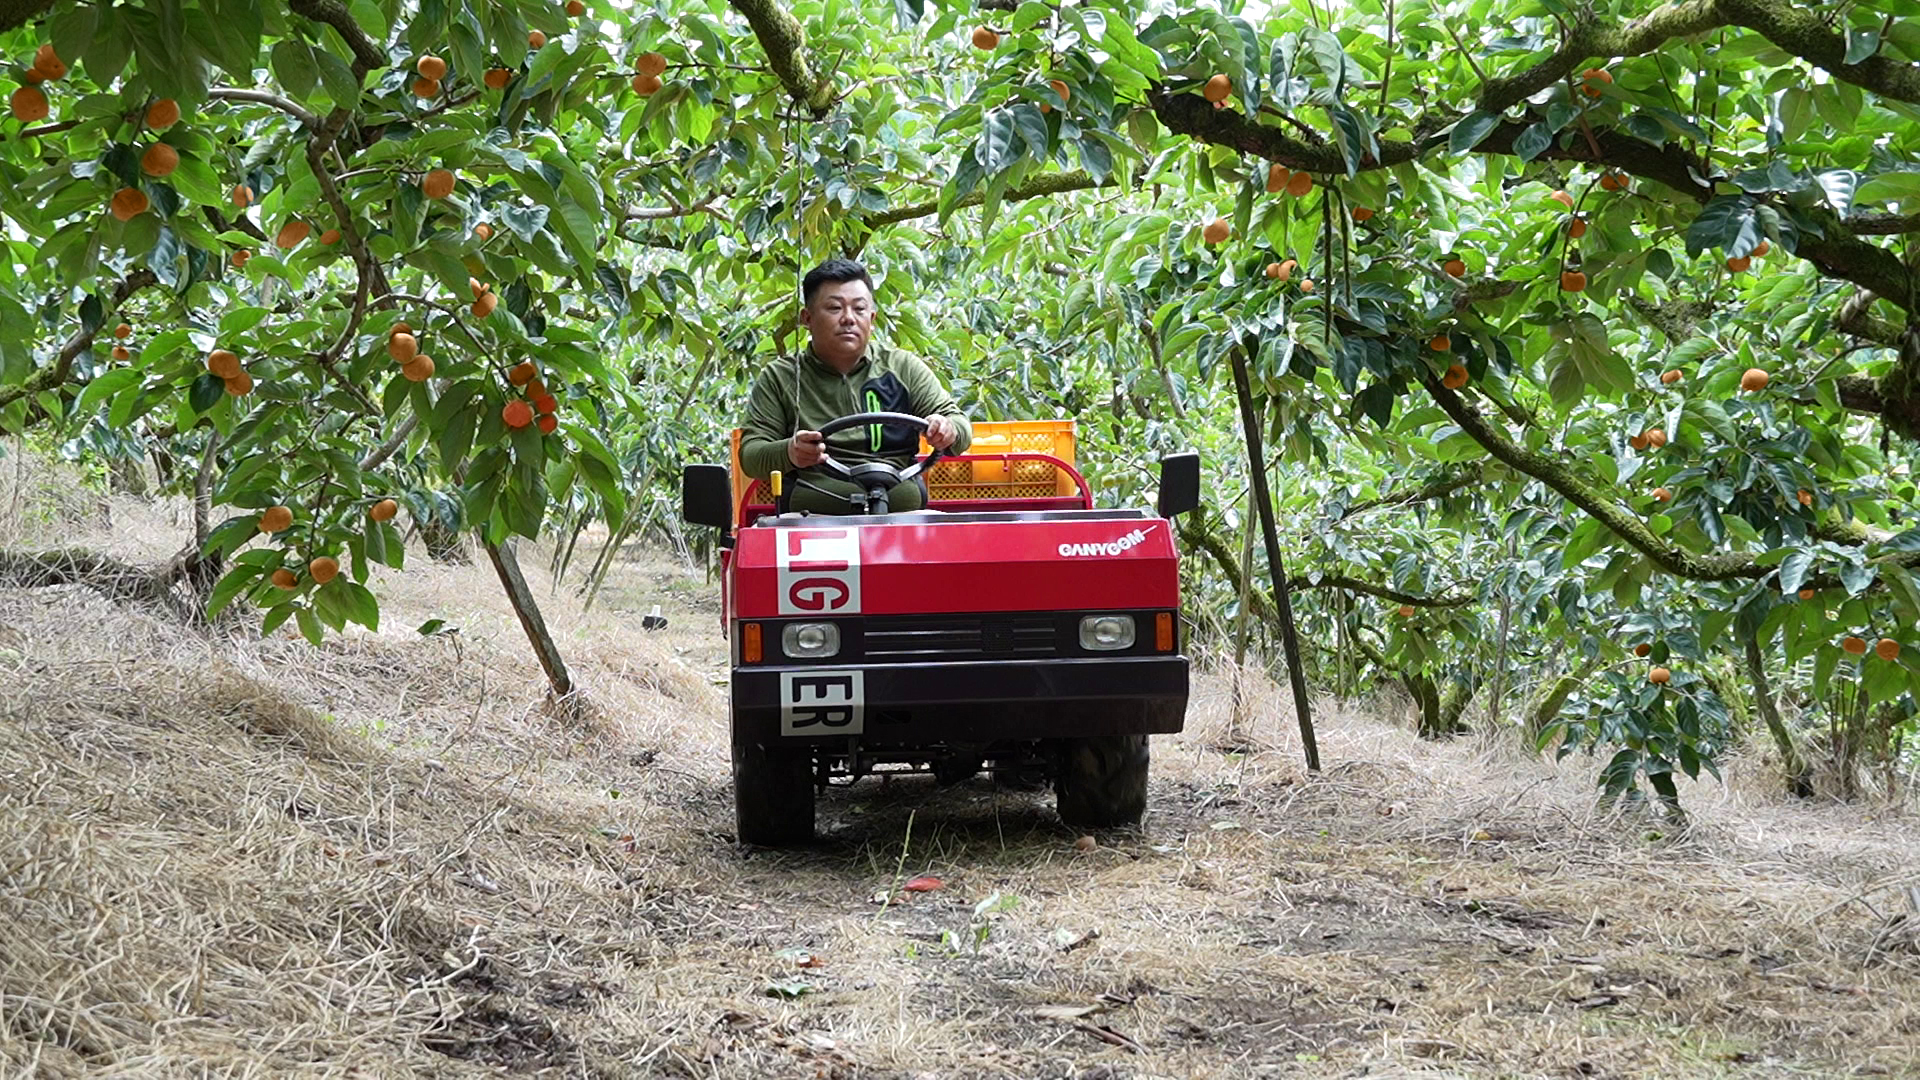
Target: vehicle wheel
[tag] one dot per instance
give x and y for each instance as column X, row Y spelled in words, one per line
column 772, row 795
column 1102, row 780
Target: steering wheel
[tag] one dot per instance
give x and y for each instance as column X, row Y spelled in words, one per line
column 875, row 478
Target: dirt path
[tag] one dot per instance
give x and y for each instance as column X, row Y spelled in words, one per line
column 388, row 856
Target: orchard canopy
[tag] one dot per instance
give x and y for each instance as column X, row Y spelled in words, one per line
column 1573, row 327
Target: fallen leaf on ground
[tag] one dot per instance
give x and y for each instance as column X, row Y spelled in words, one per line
column 1068, row 940
column 924, row 883
column 792, row 988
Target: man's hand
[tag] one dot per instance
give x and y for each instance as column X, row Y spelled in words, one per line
column 941, row 431
column 807, row 449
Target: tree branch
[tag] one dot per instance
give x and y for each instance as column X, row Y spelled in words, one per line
column 262, row 97
column 367, row 54
column 18, row 13
column 378, row 455
column 1807, row 35
column 785, row 43
column 1432, row 489
column 1875, row 223
column 50, row 377
column 1618, row 518
column 1352, row 584
column 1045, row 184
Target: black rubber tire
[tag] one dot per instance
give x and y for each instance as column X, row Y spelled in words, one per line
column 1102, row 780
column 772, row 795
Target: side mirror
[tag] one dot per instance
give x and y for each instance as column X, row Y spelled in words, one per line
column 706, row 495
column 1179, row 484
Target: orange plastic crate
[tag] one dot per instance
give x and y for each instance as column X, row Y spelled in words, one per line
column 1008, row 479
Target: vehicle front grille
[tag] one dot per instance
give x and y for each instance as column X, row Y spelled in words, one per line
column 958, row 637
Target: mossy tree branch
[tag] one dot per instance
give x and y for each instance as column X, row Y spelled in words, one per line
column 17, row 13
column 1606, row 508
column 785, row 42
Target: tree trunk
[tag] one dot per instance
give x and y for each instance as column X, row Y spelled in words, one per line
column 1282, row 592
column 1799, row 781
column 1426, row 704
column 521, row 597
column 1498, row 688
column 1453, row 709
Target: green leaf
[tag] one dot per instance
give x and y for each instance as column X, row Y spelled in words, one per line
column 1472, row 130
column 1793, row 570
column 338, row 78
column 310, row 625
column 105, row 386
column 231, row 584
column 206, row 391
column 71, row 29
column 1897, row 186
column 1861, row 44
column 295, row 66
column 1533, row 142
column 994, row 151
column 1725, row 222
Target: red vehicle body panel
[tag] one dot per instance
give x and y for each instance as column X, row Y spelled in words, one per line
column 911, row 568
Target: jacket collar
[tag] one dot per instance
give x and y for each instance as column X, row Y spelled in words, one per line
column 874, row 351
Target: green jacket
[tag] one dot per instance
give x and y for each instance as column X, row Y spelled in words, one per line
column 801, row 393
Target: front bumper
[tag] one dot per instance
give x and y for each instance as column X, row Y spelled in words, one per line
column 960, row 702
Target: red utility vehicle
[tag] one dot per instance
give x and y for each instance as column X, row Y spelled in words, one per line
column 1018, row 630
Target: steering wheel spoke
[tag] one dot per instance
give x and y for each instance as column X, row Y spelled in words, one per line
column 875, row 477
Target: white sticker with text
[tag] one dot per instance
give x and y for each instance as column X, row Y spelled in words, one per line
column 823, row 702
column 819, row 571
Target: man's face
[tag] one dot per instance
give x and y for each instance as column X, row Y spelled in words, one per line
column 840, row 320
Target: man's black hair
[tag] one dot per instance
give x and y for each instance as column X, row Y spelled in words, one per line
column 832, row 270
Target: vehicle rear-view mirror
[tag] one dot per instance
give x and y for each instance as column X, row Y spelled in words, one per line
column 1179, row 484
column 706, row 495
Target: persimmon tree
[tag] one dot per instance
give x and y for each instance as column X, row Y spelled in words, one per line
column 1472, row 257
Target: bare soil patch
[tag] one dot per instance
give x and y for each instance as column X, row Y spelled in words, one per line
column 391, row 857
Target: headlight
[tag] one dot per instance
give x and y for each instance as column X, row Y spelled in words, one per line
column 1106, row 632
column 809, row 640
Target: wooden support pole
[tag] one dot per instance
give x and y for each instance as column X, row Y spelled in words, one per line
column 521, row 598
column 1282, row 593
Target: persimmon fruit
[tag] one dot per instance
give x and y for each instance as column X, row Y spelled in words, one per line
column 159, row 160
column 129, row 203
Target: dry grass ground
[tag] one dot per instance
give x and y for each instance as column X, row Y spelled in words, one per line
column 225, row 856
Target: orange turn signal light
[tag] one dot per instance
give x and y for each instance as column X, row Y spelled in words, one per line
column 1163, row 632
column 750, row 643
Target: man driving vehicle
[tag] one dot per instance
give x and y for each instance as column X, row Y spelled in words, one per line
column 841, row 373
